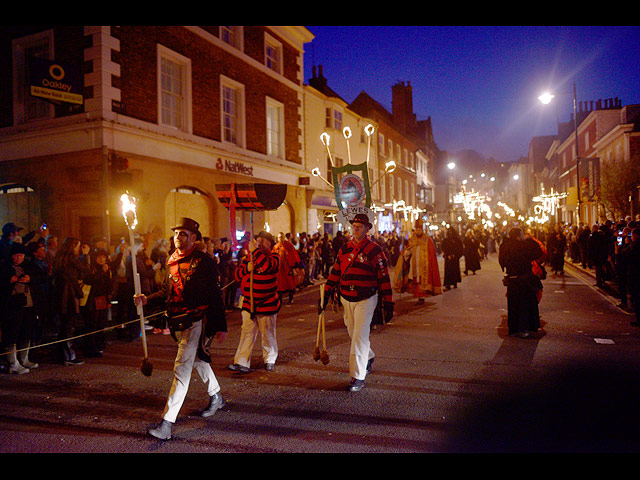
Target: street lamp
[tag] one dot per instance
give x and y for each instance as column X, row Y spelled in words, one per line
column 545, row 98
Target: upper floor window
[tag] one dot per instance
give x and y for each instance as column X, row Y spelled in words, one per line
column 25, row 106
column 273, row 54
column 232, row 36
column 174, row 87
column 333, row 118
column 232, row 114
column 275, row 128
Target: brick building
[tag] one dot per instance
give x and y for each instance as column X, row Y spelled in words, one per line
column 165, row 112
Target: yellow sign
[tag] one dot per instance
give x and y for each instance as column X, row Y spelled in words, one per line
column 56, row 95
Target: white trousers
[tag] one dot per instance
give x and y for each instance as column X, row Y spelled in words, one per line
column 357, row 318
column 266, row 325
column 186, row 360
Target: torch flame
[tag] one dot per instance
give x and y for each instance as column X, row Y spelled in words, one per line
column 129, row 210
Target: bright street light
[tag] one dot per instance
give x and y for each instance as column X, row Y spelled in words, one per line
column 451, row 165
column 546, row 98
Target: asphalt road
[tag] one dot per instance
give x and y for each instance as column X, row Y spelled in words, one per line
column 447, row 378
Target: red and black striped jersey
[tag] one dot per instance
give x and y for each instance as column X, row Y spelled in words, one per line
column 266, row 300
column 361, row 270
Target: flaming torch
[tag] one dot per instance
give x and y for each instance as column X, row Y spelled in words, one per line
column 131, row 219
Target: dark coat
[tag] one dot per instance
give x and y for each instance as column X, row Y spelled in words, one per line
column 201, row 289
column 515, row 259
column 452, row 250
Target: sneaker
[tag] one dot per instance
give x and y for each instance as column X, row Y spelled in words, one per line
column 166, row 331
column 270, row 367
column 238, row 368
column 75, row 361
column 356, row 385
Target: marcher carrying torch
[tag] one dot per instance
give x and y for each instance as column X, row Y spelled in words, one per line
column 130, row 218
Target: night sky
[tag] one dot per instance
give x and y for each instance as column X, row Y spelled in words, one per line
column 480, row 85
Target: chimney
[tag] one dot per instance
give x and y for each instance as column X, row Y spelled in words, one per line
column 402, row 104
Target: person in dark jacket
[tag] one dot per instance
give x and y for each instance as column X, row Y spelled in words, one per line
column 598, row 252
column 471, row 253
column 71, row 266
column 515, row 257
column 631, row 258
column 18, row 313
column 452, row 250
column 101, row 282
column 556, row 246
column 196, row 315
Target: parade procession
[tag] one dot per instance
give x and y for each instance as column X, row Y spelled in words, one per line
column 197, row 199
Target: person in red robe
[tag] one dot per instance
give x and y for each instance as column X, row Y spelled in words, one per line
column 289, row 266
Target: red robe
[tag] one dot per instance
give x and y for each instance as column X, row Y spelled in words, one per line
column 289, row 258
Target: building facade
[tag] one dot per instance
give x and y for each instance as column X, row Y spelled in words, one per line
column 168, row 113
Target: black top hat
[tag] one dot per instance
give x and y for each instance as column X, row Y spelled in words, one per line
column 361, row 218
column 266, row 235
column 188, row 224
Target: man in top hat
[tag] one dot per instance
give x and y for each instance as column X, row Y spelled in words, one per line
column 360, row 274
column 196, row 315
column 424, row 273
column 257, row 274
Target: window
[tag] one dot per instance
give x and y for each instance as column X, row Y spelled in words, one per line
column 273, row 54
column 275, row 128
column 381, row 145
column 25, row 107
column 174, row 87
column 232, row 105
column 232, row 36
column 333, row 118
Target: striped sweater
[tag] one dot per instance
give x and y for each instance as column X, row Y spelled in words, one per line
column 360, row 271
column 266, row 300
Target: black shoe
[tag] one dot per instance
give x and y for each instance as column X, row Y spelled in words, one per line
column 270, row 367
column 216, row 402
column 356, row 385
column 369, row 364
column 238, row 368
column 163, row 431
column 75, row 361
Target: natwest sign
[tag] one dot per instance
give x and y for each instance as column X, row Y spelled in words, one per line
column 234, row 167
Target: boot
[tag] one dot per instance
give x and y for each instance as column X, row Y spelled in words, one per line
column 23, row 357
column 216, row 402
column 163, row 431
column 14, row 365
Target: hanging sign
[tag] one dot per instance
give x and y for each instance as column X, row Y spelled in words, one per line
column 55, row 81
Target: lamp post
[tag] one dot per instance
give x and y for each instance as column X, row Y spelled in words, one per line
column 545, row 98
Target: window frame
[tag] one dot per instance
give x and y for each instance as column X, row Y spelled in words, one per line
column 185, row 110
column 240, row 125
column 279, row 107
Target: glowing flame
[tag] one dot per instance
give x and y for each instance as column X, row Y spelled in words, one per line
column 129, row 210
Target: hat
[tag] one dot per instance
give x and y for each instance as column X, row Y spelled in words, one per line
column 187, row 224
column 10, row 228
column 266, row 235
column 361, row 218
column 18, row 248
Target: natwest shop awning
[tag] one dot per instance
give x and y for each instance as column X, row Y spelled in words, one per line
column 251, row 196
